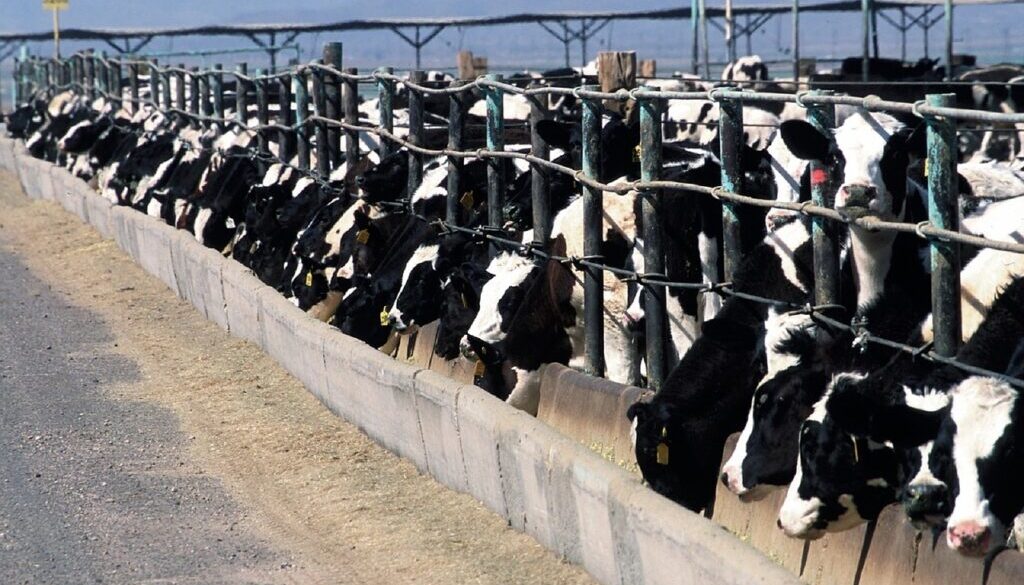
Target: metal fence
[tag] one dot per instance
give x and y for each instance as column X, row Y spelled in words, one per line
column 334, row 102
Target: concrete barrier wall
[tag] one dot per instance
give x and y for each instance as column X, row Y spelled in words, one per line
column 542, row 482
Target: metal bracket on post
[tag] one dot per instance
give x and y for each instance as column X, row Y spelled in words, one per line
column 495, row 141
column 385, row 110
column 943, row 212
column 456, row 137
column 730, row 138
column 824, row 236
column 593, row 279
column 654, row 256
column 415, row 132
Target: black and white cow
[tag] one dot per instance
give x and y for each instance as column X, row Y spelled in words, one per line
column 897, row 412
column 681, row 432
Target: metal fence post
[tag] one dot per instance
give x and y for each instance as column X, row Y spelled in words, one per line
column 217, row 90
column 323, row 155
column 350, row 105
column 286, row 138
column 730, row 137
column 193, row 96
column 539, row 181
column 824, row 236
column 385, row 105
column 301, row 92
column 593, row 279
column 654, row 256
column 943, row 212
column 179, row 89
column 133, row 86
column 165, row 86
column 116, row 82
column 332, row 95
column 456, row 139
column 90, row 76
column 205, row 105
column 415, row 132
column 262, row 119
column 154, row 85
column 495, row 141
column 242, row 95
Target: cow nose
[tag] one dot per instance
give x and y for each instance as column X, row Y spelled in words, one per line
column 969, row 538
column 922, row 502
column 858, row 194
column 778, row 522
column 360, row 180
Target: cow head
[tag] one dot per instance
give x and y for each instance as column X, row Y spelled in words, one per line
column 501, row 297
column 766, row 451
column 875, row 151
column 841, row 480
column 984, row 434
column 388, row 181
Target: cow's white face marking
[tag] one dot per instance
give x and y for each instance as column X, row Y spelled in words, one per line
column 862, row 139
column 301, row 185
column 924, row 475
column 797, row 515
column 509, row 270
column 981, row 409
column 434, row 182
column 733, row 468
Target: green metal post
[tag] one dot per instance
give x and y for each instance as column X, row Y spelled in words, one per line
column 943, row 212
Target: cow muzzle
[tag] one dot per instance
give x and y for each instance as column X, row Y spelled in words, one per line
column 969, row 538
column 854, row 200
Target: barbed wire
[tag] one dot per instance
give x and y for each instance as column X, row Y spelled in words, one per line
column 535, row 249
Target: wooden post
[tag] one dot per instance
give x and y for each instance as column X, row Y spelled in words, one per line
column 648, row 68
column 470, row 67
column 616, row 70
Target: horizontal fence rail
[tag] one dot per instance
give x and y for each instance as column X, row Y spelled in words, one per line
column 334, row 114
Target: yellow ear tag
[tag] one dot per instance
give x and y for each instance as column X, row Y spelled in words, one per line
column 467, row 200
column 636, row 153
column 384, row 321
column 363, row 236
column 309, row 278
column 926, row 167
column 662, row 455
column 479, row 370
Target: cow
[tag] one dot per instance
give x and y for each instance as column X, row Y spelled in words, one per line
column 681, row 431
column 895, row 412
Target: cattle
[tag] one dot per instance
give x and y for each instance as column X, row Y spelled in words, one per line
column 705, row 397
column 894, row 411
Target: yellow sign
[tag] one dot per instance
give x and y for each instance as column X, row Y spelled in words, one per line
column 55, row 4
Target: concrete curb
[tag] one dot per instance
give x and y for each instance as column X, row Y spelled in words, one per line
column 576, row 504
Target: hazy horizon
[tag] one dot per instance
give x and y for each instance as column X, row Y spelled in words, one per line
column 982, row 30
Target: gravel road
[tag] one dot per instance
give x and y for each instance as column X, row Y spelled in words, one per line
column 141, row 444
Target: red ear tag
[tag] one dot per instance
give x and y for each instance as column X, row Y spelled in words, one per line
column 819, row 177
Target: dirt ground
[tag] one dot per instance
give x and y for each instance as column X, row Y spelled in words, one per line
column 308, row 483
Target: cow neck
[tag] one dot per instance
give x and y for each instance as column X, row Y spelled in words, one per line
column 871, row 254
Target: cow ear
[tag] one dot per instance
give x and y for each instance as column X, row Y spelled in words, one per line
column 362, row 220
column 557, row 134
column 850, row 407
column 804, row 140
column 640, row 412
